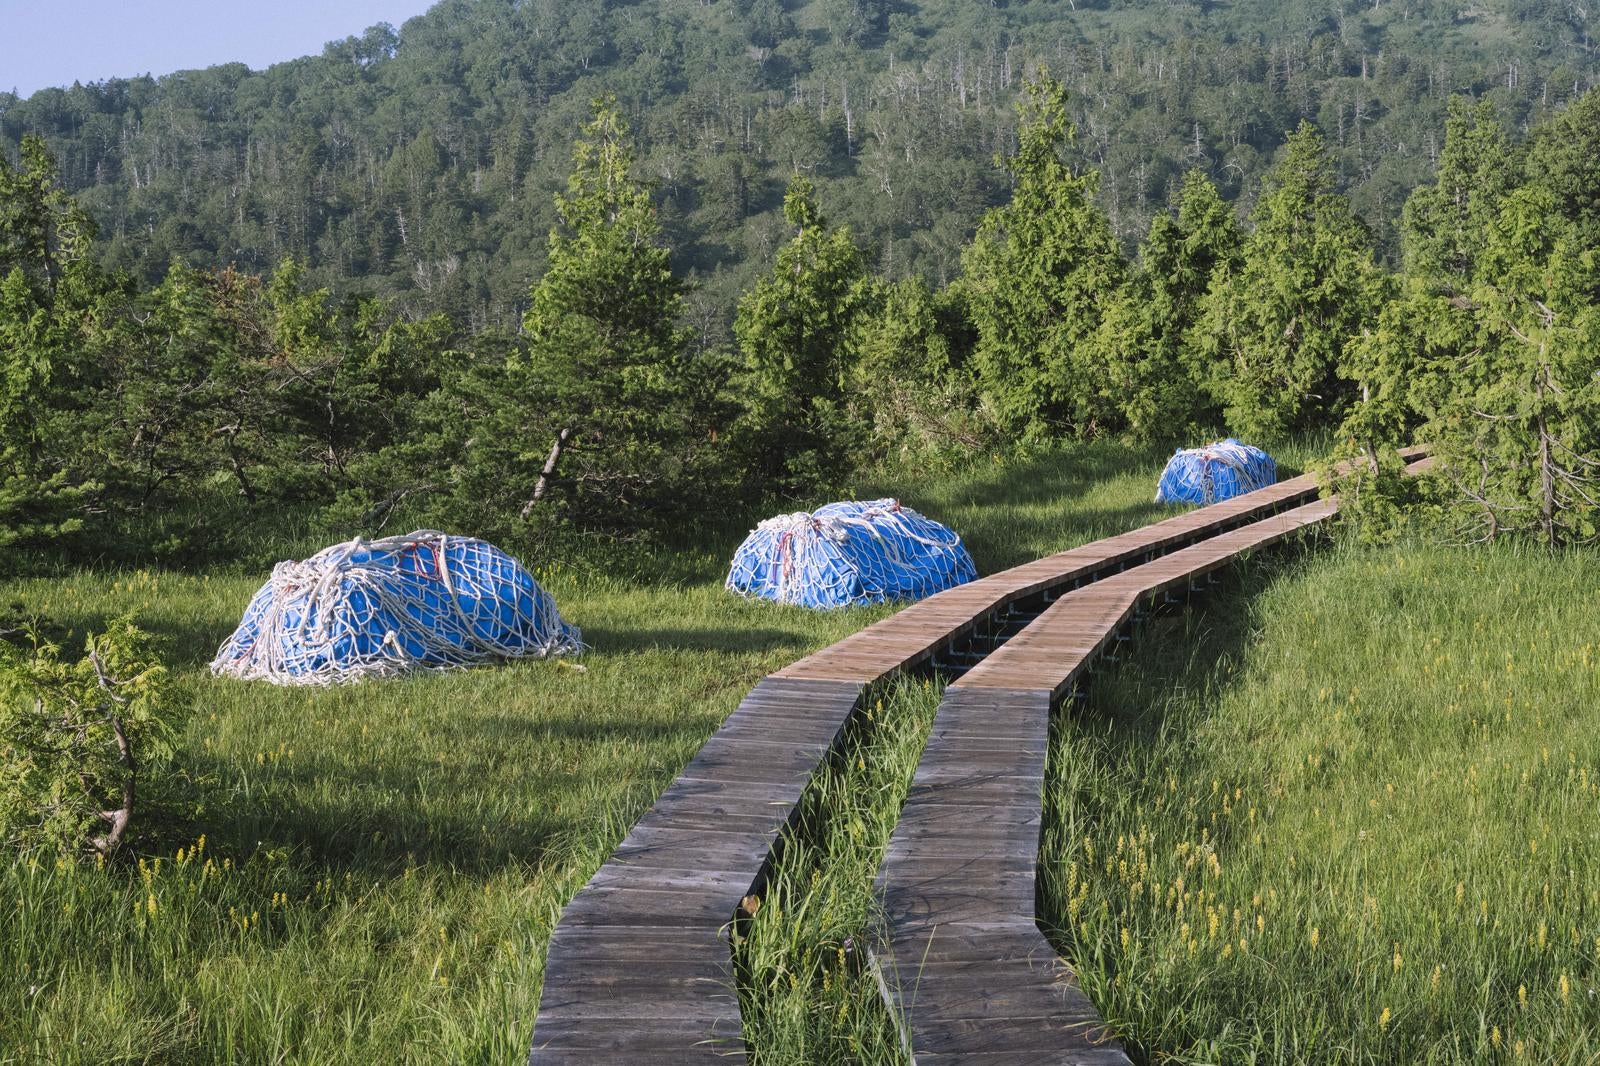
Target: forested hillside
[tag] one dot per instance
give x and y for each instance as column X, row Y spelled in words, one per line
column 421, row 163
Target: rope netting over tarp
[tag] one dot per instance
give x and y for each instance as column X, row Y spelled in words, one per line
column 1215, row 472
column 848, row 553
column 378, row 608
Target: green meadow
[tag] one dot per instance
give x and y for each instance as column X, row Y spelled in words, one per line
column 1346, row 812
column 1341, row 810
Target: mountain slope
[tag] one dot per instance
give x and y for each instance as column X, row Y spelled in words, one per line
column 420, row 162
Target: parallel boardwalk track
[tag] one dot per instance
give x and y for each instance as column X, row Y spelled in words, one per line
column 970, row 977
column 639, row 968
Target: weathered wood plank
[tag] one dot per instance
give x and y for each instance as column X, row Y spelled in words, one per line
column 962, row 962
column 639, row 968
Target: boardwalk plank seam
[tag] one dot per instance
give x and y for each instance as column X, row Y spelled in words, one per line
column 676, row 880
column 958, row 889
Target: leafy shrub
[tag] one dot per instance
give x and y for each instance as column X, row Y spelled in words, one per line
column 77, row 737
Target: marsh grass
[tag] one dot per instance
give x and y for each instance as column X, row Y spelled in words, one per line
column 808, row 995
column 386, row 861
column 382, row 863
column 1346, row 813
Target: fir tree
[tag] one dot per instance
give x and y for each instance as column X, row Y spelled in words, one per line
column 906, row 379
column 51, row 296
column 1158, row 376
column 592, row 409
column 1445, row 223
column 793, row 330
column 1492, row 357
column 1276, row 328
column 1036, row 277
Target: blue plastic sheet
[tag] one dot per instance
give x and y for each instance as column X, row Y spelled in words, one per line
column 379, row 608
column 846, row 553
column 1215, row 472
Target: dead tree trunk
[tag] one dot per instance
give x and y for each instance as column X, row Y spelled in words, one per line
column 119, row 818
column 1547, row 479
column 547, row 474
column 246, row 489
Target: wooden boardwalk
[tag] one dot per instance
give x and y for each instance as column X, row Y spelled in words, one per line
column 639, row 968
column 962, row 961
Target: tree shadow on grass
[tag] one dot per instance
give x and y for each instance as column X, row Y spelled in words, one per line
column 1060, row 473
column 1016, row 512
column 734, row 639
column 180, row 643
column 1196, row 647
column 474, row 815
column 1000, row 541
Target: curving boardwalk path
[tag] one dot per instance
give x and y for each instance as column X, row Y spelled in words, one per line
column 639, row 968
column 963, row 963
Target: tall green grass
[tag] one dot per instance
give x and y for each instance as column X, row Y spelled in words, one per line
column 808, row 995
column 382, row 863
column 1348, row 814
column 387, row 860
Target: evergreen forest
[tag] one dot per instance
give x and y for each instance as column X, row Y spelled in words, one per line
column 579, row 270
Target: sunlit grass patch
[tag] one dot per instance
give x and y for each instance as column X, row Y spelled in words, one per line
column 387, row 860
column 1348, row 816
column 808, row 995
column 382, row 862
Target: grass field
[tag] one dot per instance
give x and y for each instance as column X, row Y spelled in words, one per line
column 1349, row 813
column 382, row 864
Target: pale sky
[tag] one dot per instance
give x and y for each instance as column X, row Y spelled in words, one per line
column 57, row 42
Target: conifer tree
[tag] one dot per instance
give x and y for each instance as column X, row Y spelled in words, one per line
column 1490, row 352
column 196, row 393
column 1445, row 223
column 1036, row 278
column 51, row 293
column 1564, row 160
column 1158, row 378
column 592, row 409
column 905, row 380
column 1276, row 328
column 1508, row 386
column 793, row 330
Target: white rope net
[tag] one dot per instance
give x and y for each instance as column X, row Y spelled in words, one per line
column 380, row 608
column 851, row 552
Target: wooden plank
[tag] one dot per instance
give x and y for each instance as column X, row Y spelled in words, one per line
column 962, row 962
column 639, row 968
column 905, row 638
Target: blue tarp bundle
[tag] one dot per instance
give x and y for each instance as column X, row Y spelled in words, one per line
column 383, row 607
column 848, row 553
column 1215, row 472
